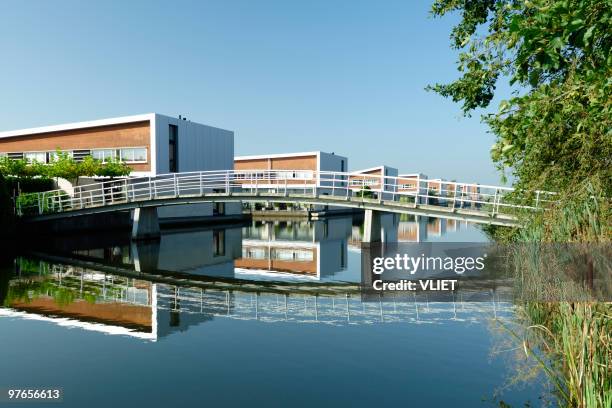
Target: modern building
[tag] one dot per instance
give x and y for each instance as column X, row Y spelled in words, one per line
column 296, row 171
column 411, row 183
column 381, row 181
column 302, row 168
column 151, row 144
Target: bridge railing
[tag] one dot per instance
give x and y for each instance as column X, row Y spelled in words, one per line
column 334, row 186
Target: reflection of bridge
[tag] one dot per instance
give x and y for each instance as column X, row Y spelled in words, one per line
column 149, row 307
column 373, row 193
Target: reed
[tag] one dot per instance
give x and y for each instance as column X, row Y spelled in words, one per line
column 566, row 330
column 571, row 344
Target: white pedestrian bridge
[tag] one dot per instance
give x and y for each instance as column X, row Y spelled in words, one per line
column 486, row 204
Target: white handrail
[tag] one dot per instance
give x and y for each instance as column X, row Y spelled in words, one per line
column 451, row 195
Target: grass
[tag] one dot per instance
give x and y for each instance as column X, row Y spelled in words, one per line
column 571, row 344
column 562, row 273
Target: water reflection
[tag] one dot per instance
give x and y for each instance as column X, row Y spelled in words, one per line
column 267, row 271
column 77, row 296
column 299, row 249
column 274, row 294
column 284, row 250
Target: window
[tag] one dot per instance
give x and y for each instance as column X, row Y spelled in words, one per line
column 173, row 148
column 40, row 157
column 218, row 243
column 53, row 156
column 303, row 175
column 218, row 208
column 127, row 154
column 104, row 155
column 79, row 155
column 303, row 255
column 134, row 155
column 363, row 182
column 254, row 253
column 283, row 254
column 300, row 255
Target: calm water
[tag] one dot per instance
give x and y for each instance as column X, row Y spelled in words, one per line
column 257, row 315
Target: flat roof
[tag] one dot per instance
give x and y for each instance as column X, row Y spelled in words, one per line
column 78, row 125
column 381, row 167
column 413, row 175
column 278, row 155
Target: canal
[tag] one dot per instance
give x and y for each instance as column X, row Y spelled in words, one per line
column 261, row 314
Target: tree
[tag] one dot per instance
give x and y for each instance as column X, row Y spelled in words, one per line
column 21, row 168
column 365, row 192
column 64, row 166
column 113, row 168
column 555, row 131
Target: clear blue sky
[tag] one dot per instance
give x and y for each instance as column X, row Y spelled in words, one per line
column 286, row 76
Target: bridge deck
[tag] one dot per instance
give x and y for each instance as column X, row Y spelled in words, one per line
column 463, row 201
column 464, row 214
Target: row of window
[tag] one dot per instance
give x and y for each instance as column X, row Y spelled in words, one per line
column 127, row 155
column 276, row 175
column 279, row 254
column 407, row 186
column 364, row 182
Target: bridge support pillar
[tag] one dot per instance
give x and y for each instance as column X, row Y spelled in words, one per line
column 145, row 224
column 371, row 227
column 145, row 255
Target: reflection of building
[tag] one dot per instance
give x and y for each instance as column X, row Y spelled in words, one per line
column 388, row 230
column 89, row 299
column 452, row 225
column 414, row 230
column 297, row 248
column 436, row 227
column 71, row 296
column 309, row 249
column 209, row 252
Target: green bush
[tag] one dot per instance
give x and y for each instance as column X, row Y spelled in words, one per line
column 7, row 215
column 28, row 203
column 29, row 185
column 365, row 192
